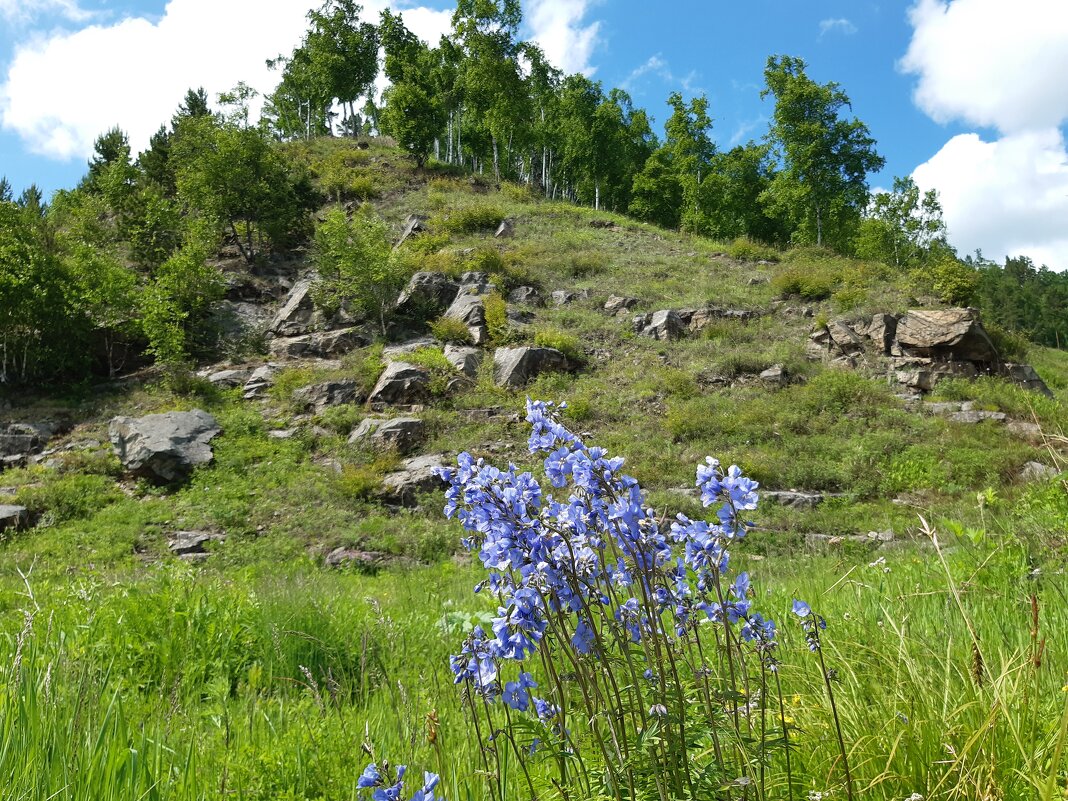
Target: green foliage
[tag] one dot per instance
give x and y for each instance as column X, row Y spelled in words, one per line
column 343, row 176
column 745, row 249
column 567, row 344
column 1020, row 297
column 69, row 497
column 473, row 218
column 449, row 329
column 496, row 316
column 357, row 264
column 823, row 186
column 440, row 368
column 901, row 228
column 951, row 280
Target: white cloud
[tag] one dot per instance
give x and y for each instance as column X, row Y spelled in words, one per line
column 1007, row 197
column 839, row 25
column 63, row 90
column 21, row 11
column 657, row 65
column 557, row 27
column 991, row 62
column 1000, row 65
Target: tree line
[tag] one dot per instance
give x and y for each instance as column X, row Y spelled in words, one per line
column 120, row 265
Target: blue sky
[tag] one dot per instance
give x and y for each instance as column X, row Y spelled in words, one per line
column 966, row 95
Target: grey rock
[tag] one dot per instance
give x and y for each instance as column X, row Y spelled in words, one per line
column 260, row 381
column 23, row 438
column 973, row 417
column 466, row 360
column 282, row 433
column 295, row 316
column 475, row 283
column 525, row 294
column 881, row 536
column 468, row 309
column 924, row 375
column 519, row 317
column 427, row 293
column 1025, row 376
column 513, row 367
column 191, row 544
column 410, row 346
column 164, row 447
column 328, row 393
column 401, row 434
column 699, row 319
column 505, row 230
column 948, row 407
column 565, row 297
column 619, row 303
column 415, row 224
column 416, row 476
column 401, row 383
column 1036, row 471
column 775, row 375
column 13, row 517
column 663, row 325
column 793, row 499
column 881, row 330
column 321, row 344
column 228, row 378
column 956, row 334
column 1020, row 428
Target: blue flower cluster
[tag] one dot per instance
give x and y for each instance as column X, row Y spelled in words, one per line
column 811, row 623
column 373, row 780
column 592, row 568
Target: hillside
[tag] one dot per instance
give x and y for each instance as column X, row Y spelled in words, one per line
column 244, row 583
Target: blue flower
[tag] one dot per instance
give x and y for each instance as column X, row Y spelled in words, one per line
column 370, row 777
column 801, row 609
column 516, row 693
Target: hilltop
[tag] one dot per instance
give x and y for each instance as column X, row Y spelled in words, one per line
column 671, row 347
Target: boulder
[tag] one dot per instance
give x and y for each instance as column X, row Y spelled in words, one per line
column 23, row 438
column 881, row 330
column 952, row 334
column 295, row 316
column 1025, row 376
column 320, row 345
column 190, row 545
column 415, row 224
column 228, row 378
column 663, row 325
column 401, row 434
column 793, row 499
column 471, row 311
column 260, row 381
column 525, row 294
column 427, row 293
column 975, row 416
column 401, row 383
column 618, row 303
column 410, row 346
column 699, row 319
column 466, row 360
column 1020, row 428
column 13, row 517
column 416, row 476
column 164, row 447
column 565, row 297
column 776, row 375
column 513, row 367
column 475, row 283
column 924, row 374
column 328, row 393
column 1036, row 471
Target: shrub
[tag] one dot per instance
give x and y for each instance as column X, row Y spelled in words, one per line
column 472, row 219
column 341, row 419
column 745, row 249
column 585, row 264
column 496, row 316
column 567, row 344
column 449, row 329
column 441, row 369
column 71, row 497
column 951, row 280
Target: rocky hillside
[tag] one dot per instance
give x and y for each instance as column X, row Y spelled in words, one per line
column 857, row 408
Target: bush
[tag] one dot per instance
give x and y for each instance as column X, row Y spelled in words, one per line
column 567, row 344
column 72, row 497
column 745, row 249
column 472, row 219
column 496, row 316
column 341, row 419
column 585, row 264
column 952, row 281
column 449, row 329
column 441, row 369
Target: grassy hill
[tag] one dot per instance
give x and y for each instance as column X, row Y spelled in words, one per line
column 256, row 671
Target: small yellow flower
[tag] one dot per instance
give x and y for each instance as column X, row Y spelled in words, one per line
column 796, row 700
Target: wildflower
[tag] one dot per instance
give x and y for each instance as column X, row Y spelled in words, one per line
column 801, row 609
column 370, row 777
column 426, row 792
column 516, row 693
column 658, row 711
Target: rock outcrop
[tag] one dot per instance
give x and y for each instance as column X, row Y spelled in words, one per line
column 329, row 393
column 401, row 383
column 164, row 447
column 513, row 367
column 401, row 434
column 664, row 325
column 416, row 476
column 427, row 293
column 13, row 517
column 465, row 360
